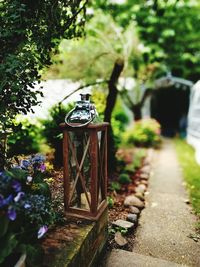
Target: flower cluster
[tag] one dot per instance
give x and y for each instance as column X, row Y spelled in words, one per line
column 25, row 206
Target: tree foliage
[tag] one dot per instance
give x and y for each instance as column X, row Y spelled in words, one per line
column 169, row 33
column 93, row 57
column 30, row 32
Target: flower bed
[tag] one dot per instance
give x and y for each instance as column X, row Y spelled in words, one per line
column 25, row 206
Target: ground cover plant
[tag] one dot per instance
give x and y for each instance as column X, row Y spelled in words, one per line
column 191, row 171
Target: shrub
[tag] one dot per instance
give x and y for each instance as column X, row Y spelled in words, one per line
column 124, row 178
column 25, row 137
column 119, row 118
column 144, row 133
column 52, row 132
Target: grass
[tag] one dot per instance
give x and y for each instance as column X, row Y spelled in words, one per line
column 191, row 172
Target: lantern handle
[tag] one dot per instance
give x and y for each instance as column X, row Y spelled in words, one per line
column 75, row 125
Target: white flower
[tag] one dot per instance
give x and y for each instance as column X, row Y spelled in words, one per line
column 43, row 229
column 29, row 179
column 18, row 196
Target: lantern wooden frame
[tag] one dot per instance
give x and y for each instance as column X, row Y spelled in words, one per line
column 97, row 151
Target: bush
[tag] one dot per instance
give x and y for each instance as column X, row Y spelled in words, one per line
column 145, row 133
column 25, row 137
column 119, row 118
column 124, row 178
column 52, row 132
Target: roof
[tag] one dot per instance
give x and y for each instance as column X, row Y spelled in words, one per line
column 169, row 80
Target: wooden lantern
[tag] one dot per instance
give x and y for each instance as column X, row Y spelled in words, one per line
column 85, row 170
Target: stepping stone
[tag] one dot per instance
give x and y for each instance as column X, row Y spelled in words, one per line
column 132, row 218
column 140, row 188
column 120, row 240
column 123, row 224
column 133, row 201
column 144, row 182
column 134, row 210
column 146, row 169
column 140, row 196
column 144, row 176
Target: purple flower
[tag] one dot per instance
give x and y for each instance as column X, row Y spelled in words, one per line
column 43, row 229
column 5, row 201
column 11, row 214
column 8, row 199
column 16, row 186
column 42, row 167
column 25, row 163
column 19, row 196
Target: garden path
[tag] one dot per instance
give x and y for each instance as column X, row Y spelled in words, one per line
column 167, row 222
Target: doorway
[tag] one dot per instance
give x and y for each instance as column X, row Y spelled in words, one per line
column 169, row 106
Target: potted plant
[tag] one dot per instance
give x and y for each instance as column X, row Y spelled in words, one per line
column 25, row 207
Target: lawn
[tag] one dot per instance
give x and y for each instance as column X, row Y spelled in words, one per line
column 191, row 172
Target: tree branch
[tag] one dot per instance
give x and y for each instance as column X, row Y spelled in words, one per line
column 81, row 87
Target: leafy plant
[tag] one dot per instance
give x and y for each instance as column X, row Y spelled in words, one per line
column 23, row 54
column 110, row 201
column 25, row 206
column 25, row 137
column 115, row 186
column 145, row 132
column 112, row 230
column 52, row 132
column 124, row 179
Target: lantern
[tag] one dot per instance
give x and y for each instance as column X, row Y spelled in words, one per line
column 85, row 164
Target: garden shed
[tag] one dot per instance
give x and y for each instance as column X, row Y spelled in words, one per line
column 170, row 103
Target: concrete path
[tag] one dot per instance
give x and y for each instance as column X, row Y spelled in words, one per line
column 167, row 221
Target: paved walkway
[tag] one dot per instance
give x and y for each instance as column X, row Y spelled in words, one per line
column 166, row 222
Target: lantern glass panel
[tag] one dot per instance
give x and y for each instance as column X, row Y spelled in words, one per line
column 79, row 170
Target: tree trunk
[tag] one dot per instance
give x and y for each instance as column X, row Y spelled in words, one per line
column 137, row 108
column 137, row 112
column 112, row 95
column 110, row 103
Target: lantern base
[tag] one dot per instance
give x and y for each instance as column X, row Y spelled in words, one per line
column 87, row 215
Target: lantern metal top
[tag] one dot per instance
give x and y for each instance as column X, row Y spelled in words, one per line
column 83, row 113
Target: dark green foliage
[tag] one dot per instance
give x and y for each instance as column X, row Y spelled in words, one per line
column 52, row 132
column 124, row 178
column 30, row 31
column 25, row 139
column 169, row 30
column 25, row 208
column 115, row 186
